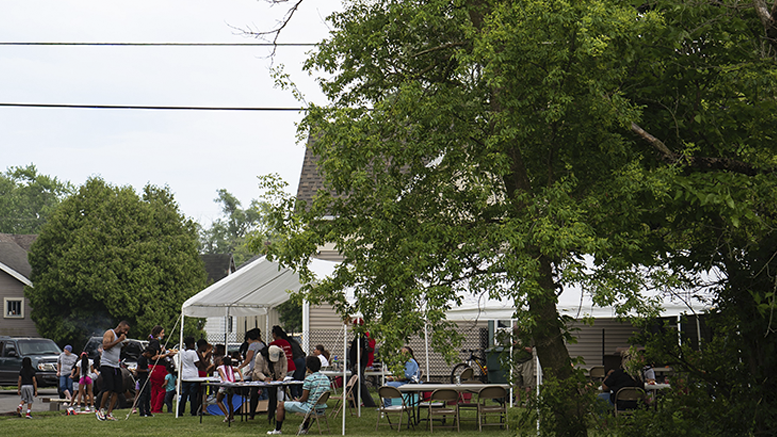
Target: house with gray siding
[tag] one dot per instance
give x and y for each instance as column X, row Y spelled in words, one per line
column 15, row 273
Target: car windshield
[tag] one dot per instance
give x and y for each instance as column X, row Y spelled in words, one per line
column 38, row 347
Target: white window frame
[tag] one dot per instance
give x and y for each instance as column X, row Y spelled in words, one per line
column 6, row 300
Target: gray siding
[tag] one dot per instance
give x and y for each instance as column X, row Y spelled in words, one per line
column 10, row 287
column 616, row 336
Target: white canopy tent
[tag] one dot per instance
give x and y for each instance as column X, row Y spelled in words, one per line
column 257, row 287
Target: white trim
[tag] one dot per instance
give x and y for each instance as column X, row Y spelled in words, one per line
column 5, row 307
column 15, row 274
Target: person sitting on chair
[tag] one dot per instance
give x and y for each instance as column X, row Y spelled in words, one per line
column 412, row 372
column 315, row 385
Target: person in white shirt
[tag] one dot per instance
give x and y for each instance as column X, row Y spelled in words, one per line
column 322, row 355
column 189, row 389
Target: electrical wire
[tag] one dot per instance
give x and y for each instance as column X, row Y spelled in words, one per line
column 156, row 44
column 150, row 107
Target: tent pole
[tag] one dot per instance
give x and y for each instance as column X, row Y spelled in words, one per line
column 306, row 326
column 512, row 367
column 358, row 345
column 426, row 346
column 345, row 358
column 180, row 359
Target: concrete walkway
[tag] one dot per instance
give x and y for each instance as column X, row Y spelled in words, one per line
column 9, row 400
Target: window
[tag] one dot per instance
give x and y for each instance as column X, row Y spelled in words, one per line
column 230, row 324
column 13, row 308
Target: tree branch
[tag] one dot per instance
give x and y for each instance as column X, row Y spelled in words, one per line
column 276, row 32
column 699, row 162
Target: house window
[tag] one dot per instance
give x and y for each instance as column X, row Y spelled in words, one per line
column 13, row 308
column 230, row 324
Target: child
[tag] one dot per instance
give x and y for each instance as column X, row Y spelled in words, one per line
column 170, row 387
column 82, row 372
column 144, row 401
column 28, row 386
column 226, row 374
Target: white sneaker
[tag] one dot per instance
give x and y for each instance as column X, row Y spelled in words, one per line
column 274, row 432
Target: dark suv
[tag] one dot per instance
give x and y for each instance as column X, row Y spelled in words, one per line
column 42, row 351
column 130, row 350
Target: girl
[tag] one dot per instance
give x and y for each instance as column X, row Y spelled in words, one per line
column 82, row 372
column 226, row 374
column 170, row 379
column 28, row 386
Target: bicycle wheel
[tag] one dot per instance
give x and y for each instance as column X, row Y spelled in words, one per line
column 456, row 372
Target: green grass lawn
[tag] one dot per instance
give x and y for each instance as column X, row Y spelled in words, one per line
column 85, row 425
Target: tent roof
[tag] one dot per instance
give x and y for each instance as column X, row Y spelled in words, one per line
column 260, row 285
column 573, row 302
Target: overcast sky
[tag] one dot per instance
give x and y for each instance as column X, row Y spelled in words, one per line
column 194, row 153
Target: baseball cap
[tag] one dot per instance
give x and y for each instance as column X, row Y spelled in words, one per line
column 275, row 353
column 69, row 348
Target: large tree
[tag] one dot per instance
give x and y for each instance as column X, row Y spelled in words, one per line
column 230, row 233
column 108, row 254
column 27, row 198
column 493, row 147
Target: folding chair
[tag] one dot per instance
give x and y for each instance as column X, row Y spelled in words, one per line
column 466, row 377
column 389, row 393
column 345, row 397
column 497, row 394
column 627, row 399
column 316, row 414
column 596, row 373
column 444, row 395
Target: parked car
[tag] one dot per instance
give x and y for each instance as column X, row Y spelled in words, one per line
column 42, row 351
column 130, row 350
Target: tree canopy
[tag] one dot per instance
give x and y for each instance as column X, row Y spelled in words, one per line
column 107, row 254
column 27, row 198
column 493, row 147
column 231, row 233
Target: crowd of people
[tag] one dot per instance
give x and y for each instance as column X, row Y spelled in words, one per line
column 156, row 376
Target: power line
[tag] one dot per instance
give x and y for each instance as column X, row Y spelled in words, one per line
column 157, row 44
column 149, row 107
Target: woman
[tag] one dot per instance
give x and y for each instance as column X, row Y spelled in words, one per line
column 271, row 365
column 294, row 355
column 159, row 368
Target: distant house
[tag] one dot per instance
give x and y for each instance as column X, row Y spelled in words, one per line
column 15, row 273
column 218, row 266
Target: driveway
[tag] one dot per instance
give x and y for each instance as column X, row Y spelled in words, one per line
column 9, row 400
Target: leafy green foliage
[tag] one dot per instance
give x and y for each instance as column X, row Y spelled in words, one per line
column 490, row 148
column 107, row 254
column 28, row 198
column 233, row 233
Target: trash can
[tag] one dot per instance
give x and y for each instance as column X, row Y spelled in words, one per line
column 496, row 374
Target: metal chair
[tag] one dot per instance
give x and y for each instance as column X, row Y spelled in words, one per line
column 345, row 397
column 596, row 373
column 445, row 395
column 467, row 377
column 627, row 400
column 316, row 414
column 498, row 394
column 389, row 393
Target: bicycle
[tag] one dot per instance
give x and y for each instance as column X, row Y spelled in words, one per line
column 474, row 362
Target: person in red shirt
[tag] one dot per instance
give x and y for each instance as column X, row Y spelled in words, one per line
column 280, row 340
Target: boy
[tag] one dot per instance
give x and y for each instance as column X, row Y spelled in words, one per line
column 28, row 386
column 144, row 401
column 314, row 386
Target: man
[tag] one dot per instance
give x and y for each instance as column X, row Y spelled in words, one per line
column 65, row 363
column 255, row 345
column 110, row 369
column 314, row 386
column 189, row 371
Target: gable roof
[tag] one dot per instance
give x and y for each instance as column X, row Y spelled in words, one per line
column 310, row 180
column 13, row 256
column 218, row 266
